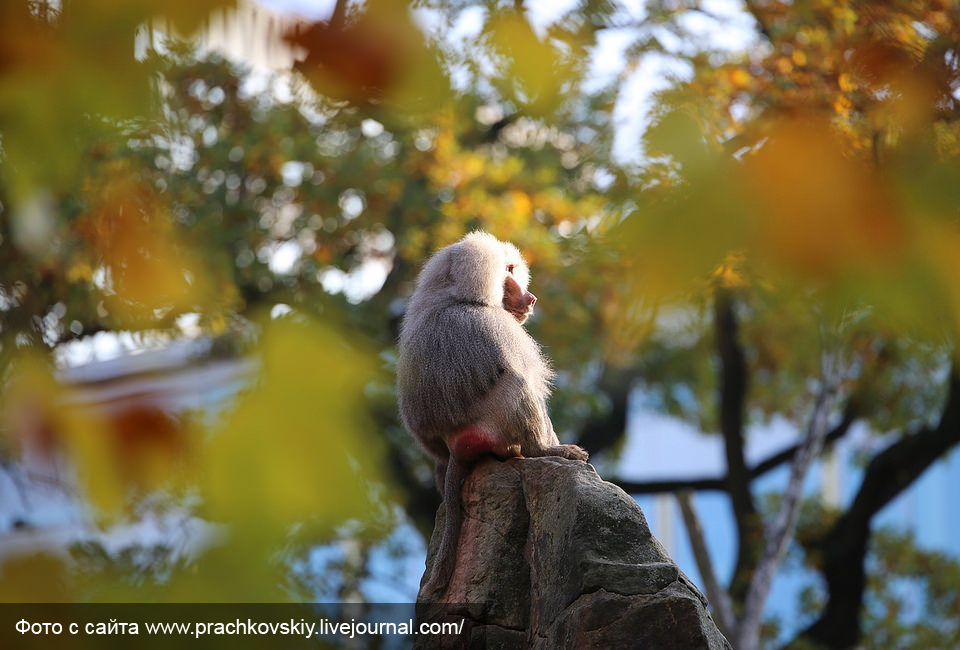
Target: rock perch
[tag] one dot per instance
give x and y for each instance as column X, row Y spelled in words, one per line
column 551, row 557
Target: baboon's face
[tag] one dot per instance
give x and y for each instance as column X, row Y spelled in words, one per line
column 517, row 300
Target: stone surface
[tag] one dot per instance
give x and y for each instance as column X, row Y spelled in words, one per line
column 551, row 557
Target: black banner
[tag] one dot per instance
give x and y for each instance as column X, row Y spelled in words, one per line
column 234, row 626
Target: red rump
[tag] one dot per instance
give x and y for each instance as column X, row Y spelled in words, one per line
column 469, row 443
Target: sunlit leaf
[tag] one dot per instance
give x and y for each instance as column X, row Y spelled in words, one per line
column 298, row 448
column 818, row 212
column 129, row 228
column 537, row 72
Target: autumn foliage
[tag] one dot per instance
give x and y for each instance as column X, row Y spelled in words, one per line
column 791, row 200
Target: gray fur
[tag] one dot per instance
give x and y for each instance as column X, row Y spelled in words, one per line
column 465, row 360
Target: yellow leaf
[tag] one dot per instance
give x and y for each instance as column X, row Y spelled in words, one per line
column 129, row 226
column 520, row 203
column 739, row 77
column 845, row 81
column 79, row 272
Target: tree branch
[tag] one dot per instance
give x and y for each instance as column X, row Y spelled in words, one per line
column 844, row 548
column 703, row 484
column 339, row 14
column 732, row 398
column 716, row 594
column 754, row 8
column 849, row 417
column 671, row 485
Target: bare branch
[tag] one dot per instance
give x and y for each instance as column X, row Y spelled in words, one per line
column 780, row 533
column 716, row 594
column 781, row 457
column 707, row 483
column 674, row 485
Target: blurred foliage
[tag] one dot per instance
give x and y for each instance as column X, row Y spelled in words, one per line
column 913, row 596
column 813, row 175
column 921, row 608
column 63, row 63
column 296, row 458
column 817, row 177
column 222, row 200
